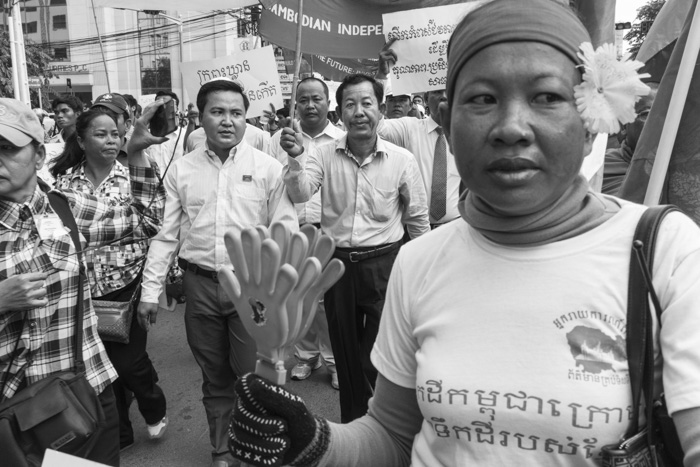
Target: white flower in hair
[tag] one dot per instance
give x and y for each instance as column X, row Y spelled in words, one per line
column 610, row 87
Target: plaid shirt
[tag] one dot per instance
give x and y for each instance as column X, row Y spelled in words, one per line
column 45, row 338
column 111, row 267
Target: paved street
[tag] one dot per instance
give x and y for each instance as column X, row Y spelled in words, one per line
column 186, row 442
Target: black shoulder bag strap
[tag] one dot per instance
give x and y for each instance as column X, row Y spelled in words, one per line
column 59, row 204
column 640, row 348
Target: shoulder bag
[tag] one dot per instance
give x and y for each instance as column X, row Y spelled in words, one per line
column 657, row 443
column 62, row 411
column 114, row 318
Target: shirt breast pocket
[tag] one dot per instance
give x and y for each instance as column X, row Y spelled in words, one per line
column 251, row 202
column 383, row 204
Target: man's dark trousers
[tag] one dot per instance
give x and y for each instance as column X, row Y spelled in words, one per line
column 354, row 307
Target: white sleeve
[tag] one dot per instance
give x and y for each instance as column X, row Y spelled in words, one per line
column 394, row 352
column 165, row 243
column 677, row 282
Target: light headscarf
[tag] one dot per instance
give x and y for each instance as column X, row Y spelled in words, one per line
column 545, row 21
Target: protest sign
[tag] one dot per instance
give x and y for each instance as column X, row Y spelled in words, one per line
column 421, row 46
column 256, row 70
column 145, row 99
column 334, row 28
column 336, row 69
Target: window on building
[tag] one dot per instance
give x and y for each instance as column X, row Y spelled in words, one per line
column 29, row 9
column 60, row 53
column 59, row 22
column 29, row 28
column 58, row 2
column 161, row 41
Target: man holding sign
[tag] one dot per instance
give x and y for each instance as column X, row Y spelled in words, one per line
column 369, row 189
column 425, row 138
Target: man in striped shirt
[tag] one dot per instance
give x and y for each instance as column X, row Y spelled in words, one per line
column 39, row 265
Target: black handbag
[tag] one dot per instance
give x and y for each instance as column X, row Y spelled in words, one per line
column 62, row 411
column 114, row 318
column 656, row 444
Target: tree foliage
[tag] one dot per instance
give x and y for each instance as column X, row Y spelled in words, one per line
column 637, row 34
column 37, row 65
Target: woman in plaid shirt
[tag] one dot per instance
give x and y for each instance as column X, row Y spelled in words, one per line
column 39, row 265
column 115, row 270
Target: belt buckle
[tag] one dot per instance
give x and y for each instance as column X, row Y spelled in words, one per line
column 215, row 276
column 351, row 256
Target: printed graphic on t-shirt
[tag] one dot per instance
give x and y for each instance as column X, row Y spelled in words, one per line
column 571, row 408
column 595, row 351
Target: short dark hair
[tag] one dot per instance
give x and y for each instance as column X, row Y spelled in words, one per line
column 168, row 93
column 131, row 100
column 312, row 78
column 282, row 112
column 358, row 78
column 219, row 85
column 71, row 101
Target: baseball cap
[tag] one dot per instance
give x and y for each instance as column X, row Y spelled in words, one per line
column 113, row 102
column 399, row 96
column 18, row 123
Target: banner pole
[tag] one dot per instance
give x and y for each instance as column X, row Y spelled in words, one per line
column 675, row 111
column 297, row 62
column 99, row 37
column 14, row 61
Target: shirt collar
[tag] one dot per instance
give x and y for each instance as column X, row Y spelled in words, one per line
column 329, row 130
column 431, row 124
column 379, row 150
column 78, row 172
column 9, row 211
column 232, row 153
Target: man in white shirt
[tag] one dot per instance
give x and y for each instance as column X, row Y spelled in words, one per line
column 369, row 189
column 223, row 186
column 312, row 108
column 426, row 139
column 254, row 136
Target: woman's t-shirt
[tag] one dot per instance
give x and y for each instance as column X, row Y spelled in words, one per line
column 518, row 354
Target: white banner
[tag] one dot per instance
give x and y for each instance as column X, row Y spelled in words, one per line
column 145, row 99
column 256, row 70
column 421, row 47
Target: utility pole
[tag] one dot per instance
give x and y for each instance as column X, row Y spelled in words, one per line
column 102, row 50
column 20, row 79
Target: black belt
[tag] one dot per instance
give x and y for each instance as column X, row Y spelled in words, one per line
column 435, row 226
column 200, row 271
column 355, row 255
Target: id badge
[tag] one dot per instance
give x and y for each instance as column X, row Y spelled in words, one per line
column 50, row 227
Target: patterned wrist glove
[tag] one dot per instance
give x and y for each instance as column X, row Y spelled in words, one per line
column 270, row 426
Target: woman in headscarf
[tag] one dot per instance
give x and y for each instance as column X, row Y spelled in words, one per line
column 502, row 340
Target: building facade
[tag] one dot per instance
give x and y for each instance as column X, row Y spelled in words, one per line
column 140, row 51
